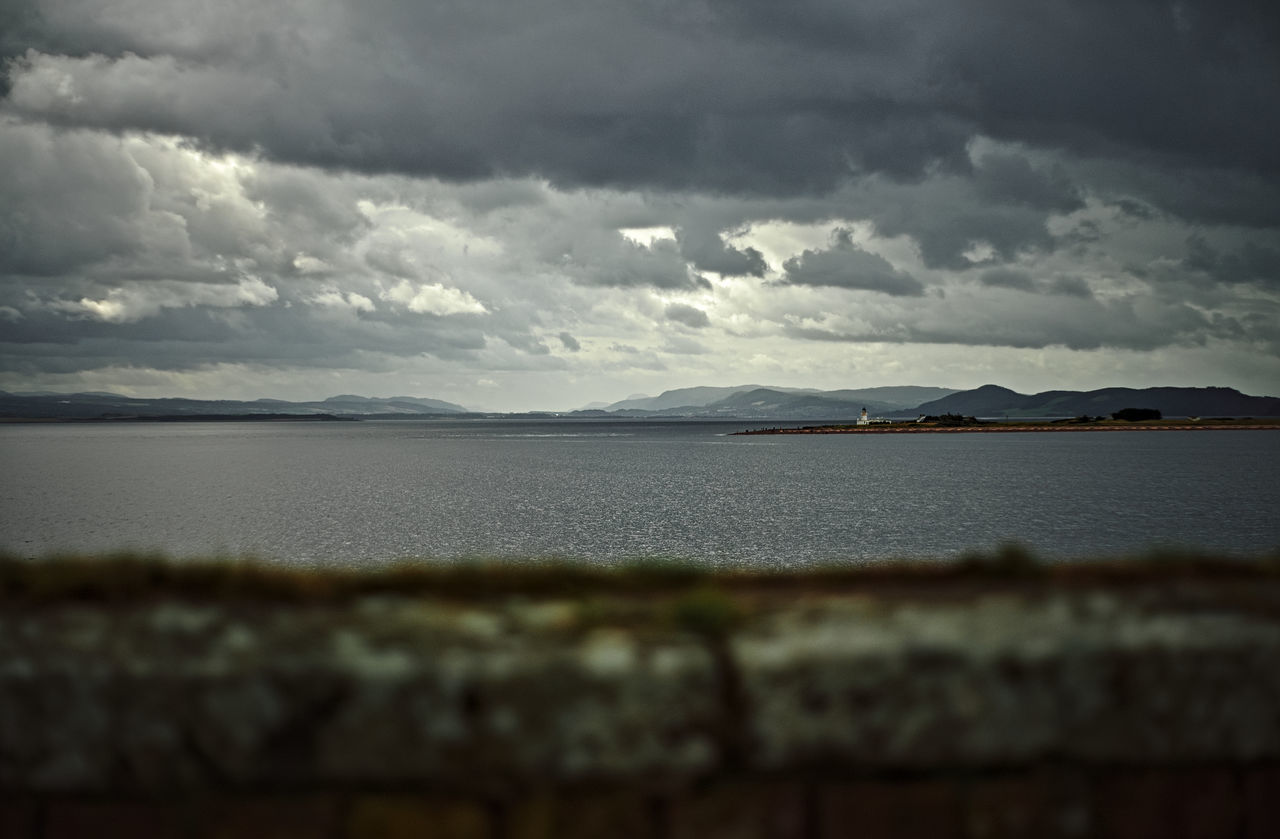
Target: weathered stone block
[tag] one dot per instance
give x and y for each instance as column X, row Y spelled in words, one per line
column 413, row 817
column 116, row 820
column 1168, row 803
column 621, row 814
column 379, row 692
column 18, row 819
column 739, row 811
column 891, row 810
column 269, row 817
column 1003, row 681
column 1040, row 802
column 1260, row 789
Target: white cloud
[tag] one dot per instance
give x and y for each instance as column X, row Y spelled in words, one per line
column 338, row 300
column 310, row 265
column 138, row 301
column 647, row 235
column 433, row 299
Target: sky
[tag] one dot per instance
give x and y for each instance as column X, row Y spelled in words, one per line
column 550, row 203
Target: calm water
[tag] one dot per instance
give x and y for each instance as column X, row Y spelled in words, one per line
column 349, row 493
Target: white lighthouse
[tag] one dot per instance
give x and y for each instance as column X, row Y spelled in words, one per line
column 862, row 418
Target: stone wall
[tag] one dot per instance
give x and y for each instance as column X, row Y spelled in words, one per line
column 965, row 707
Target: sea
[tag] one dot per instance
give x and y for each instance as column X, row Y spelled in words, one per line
column 382, row 491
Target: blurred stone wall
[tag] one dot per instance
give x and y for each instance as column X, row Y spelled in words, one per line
column 947, row 709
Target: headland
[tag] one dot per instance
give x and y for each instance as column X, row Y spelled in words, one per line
column 970, row 424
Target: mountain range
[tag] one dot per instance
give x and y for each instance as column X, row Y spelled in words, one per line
column 97, row 404
column 746, row 402
column 752, row 402
column 756, row 402
column 996, row 401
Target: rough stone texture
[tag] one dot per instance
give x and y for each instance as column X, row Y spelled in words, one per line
column 17, row 819
column 270, row 817
column 892, row 809
column 623, row 813
column 1007, row 680
column 413, row 817
column 117, row 820
column 158, row 696
column 1261, row 791
column 1165, row 805
column 740, row 811
column 1042, row 803
column 491, row 699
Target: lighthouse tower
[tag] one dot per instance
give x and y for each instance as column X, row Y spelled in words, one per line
column 862, row 418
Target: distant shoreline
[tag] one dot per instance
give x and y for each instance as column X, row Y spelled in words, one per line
column 185, row 418
column 1267, row 424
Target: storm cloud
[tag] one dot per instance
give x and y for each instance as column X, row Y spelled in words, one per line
column 542, row 201
column 845, row 265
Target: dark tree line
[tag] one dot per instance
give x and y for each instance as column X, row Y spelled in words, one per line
column 1136, row 414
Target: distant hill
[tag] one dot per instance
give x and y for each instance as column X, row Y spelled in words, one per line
column 348, row 404
column 980, row 402
column 994, row 401
column 900, row 397
column 785, row 400
column 90, row 405
column 741, row 402
column 762, row 403
column 683, row 397
column 754, row 402
column 766, row 403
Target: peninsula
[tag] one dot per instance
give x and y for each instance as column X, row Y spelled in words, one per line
column 948, row 425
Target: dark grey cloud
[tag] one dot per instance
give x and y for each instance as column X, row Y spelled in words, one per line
column 65, row 203
column 272, row 334
column 948, row 217
column 1013, row 278
column 846, row 265
column 1011, row 179
column 1081, row 324
column 727, row 97
column 1195, row 192
column 1130, row 78
column 702, row 246
column 1135, row 209
column 1250, row 263
column 193, row 339
column 570, row 343
column 629, row 265
column 305, row 206
column 1007, row 278
column 1147, row 105
column 690, row 316
column 1070, row 287
column 23, row 28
